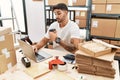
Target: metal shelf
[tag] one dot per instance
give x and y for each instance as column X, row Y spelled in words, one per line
column 104, row 37
column 112, row 16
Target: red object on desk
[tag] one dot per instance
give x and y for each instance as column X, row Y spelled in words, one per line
column 56, row 61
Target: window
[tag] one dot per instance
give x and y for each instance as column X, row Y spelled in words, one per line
column 13, row 14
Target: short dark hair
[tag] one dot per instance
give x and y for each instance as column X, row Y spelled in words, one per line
column 61, row 6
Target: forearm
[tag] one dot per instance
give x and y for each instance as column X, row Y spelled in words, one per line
column 71, row 49
column 42, row 43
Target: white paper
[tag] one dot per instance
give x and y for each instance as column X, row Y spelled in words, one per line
column 2, row 38
column 6, row 53
column 93, row 7
column 82, row 14
column 109, row 7
column 95, row 24
column 77, row 13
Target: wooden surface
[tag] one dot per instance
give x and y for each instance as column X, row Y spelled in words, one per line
column 17, row 72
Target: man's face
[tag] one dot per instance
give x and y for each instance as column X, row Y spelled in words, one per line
column 60, row 15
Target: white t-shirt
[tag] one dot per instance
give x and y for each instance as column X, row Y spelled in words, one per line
column 71, row 30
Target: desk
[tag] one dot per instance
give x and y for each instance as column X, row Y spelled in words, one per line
column 17, row 73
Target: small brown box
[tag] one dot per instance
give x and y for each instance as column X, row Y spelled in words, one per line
column 81, row 23
column 113, row 1
column 79, row 2
column 54, row 2
column 113, row 9
column 90, row 47
column 99, row 1
column 98, row 8
column 103, row 27
column 81, row 14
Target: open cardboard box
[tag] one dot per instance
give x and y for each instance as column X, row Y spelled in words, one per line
column 93, row 48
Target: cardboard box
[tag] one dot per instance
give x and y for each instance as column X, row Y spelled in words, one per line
column 82, row 59
column 6, row 41
column 54, row 2
column 98, row 8
column 94, row 49
column 7, row 60
column 78, row 2
column 113, row 9
column 5, row 30
column 113, row 1
column 117, row 32
column 81, row 23
column 99, row 1
column 81, row 14
column 105, row 70
column 3, row 65
column 103, row 27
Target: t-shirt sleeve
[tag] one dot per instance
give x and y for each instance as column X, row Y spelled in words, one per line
column 75, row 31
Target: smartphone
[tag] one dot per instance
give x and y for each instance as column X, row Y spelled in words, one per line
column 52, row 30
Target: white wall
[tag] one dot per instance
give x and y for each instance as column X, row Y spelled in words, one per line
column 35, row 19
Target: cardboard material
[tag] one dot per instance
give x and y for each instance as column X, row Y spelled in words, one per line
column 37, row 70
column 3, row 65
column 113, row 9
column 101, row 66
column 103, row 27
column 7, row 51
column 82, row 59
column 53, row 2
column 78, row 2
column 81, row 23
column 98, row 8
column 94, row 49
column 117, row 32
column 81, row 14
column 5, row 30
column 6, row 41
column 113, row 1
column 99, row 1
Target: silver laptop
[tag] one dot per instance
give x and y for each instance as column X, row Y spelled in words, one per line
column 29, row 52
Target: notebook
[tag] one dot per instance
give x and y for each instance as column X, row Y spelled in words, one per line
column 29, row 52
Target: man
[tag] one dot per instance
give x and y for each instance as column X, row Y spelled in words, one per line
column 66, row 32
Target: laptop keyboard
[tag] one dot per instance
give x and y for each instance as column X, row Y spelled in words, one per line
column 39, row 57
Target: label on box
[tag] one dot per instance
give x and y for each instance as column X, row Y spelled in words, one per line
column 77, row 13
column 74, row 1
column 9, row 65
column 95, row 24
column 6, row 53
column 82, row 14
column 2, row 38
column 93, row 7
column 109, row 7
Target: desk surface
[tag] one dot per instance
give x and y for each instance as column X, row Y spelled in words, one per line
column 17, row 72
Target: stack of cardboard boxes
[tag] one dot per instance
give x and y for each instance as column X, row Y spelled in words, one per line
column 107, row 27
column 7, row 51
column 101, row 65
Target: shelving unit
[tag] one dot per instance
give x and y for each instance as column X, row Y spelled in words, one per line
column 109, row 16
column 49, row 15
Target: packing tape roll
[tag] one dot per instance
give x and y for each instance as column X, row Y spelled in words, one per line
column 62, row 67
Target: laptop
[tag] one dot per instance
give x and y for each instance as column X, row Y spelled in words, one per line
column 29, row 52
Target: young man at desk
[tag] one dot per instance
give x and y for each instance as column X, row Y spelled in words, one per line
column 63, row 32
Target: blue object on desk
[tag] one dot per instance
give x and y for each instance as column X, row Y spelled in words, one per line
column 69, row 58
